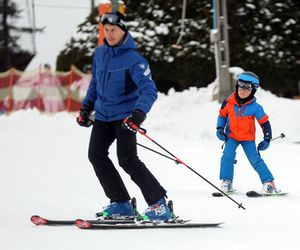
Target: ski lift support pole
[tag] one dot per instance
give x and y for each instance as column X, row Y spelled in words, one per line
column 219, row 37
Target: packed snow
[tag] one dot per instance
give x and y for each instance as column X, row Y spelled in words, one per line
column 45, row 171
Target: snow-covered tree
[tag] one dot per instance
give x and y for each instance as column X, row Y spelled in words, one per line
column 156, row 25
column 11, row 53
column 263, row 37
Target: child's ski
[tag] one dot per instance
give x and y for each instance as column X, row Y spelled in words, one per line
column 253, row 194
column 219, row 194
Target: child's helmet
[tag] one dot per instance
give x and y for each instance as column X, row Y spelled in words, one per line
column 249, row 77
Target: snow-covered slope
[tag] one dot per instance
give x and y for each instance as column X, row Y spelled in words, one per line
column 45, row 171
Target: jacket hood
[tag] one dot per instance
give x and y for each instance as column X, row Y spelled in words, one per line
column 127, row 43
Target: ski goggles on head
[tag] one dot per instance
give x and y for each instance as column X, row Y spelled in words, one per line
column 113, row 19
column 244, row 85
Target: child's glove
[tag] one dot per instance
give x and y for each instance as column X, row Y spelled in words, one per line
column 221, row 134
column 263, row 145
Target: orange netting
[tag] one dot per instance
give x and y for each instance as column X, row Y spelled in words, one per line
column 42, row 89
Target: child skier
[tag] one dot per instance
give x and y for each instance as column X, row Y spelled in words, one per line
column 236, row 126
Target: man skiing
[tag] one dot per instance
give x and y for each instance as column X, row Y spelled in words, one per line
column 121, row 92
column 236, row 126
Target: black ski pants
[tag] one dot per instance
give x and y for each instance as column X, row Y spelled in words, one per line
column 102, row 136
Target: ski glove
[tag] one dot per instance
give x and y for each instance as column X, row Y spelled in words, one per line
column 263, row 145
column 134, row 121
column 84, row 116
column 221, row 134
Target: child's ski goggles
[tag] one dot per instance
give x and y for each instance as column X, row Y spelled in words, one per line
column 244, row 85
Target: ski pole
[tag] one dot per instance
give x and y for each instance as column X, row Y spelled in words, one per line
column 235, row 160
column 159, row 153
column 168, row 157
column 282, row 135
column 143, row 132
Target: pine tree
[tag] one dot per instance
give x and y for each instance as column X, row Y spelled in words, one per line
column 263, row 37
column 159, row 28
column 11, row 54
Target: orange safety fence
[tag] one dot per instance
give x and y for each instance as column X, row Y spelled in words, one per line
column 43, row 90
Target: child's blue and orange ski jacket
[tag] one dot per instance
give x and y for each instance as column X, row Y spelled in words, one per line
column 239, row 121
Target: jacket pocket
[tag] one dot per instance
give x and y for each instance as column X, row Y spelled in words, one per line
column 116, row 82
